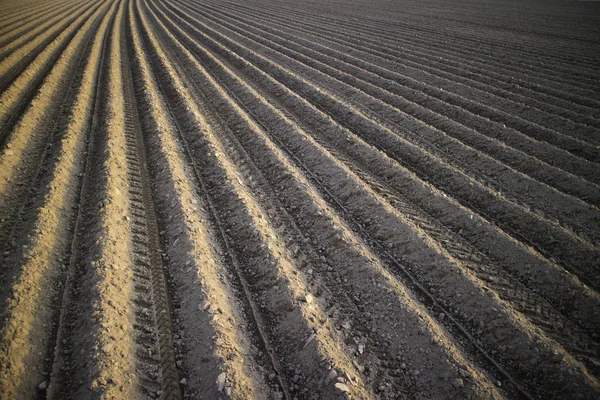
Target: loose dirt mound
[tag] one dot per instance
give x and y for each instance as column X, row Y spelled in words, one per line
column 280, row 200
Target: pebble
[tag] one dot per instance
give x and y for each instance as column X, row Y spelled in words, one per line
column 403, row 366
column 458, row 383
column 308, row 298
column 310, row 339
column 332, row 375
column 43, row 385
column 183, row 382
column 342, row 387
column 442, row 316
column 557, row 358
column 361, row 348
column 221, row 381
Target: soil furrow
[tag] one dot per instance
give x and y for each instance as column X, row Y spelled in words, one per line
column 383, row 388
column 271, row 265
column 546, row 233
column 19, row 95
column 425, row 70
column 17, row 37
column 116, row 352
column 498, row 304
column 512, row 181
column 415, row 31
column 11, row 32
column 189, row 242
column 479, row 66
column 12, row 66
column 30, row 326
column 483, row 76
column 350, row 199
column 31, row 141
column 9, row 18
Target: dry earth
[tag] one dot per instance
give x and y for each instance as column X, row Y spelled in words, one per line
column 260, row 199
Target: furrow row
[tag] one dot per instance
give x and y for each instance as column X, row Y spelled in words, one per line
column 20, row 35
column 19, row 94
column 356, row 204
column 313, row 267
column 37, row 269
column 510, row 183
column 413, row 72
column 399, row 46
column 470, row 193
column 487, row 44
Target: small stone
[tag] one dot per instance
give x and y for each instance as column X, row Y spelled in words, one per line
column 179, row 363
column 458, row 383
column 228, row 390
column 9, row 152
column 272, row 376
column 308, row 298
column 361, row 348
column 183, row 382
column 107, row 347
column 296, row 378
column 481, row 324
column 342, row 387
column 403, row 366
column 442, row 316
column 221, row 381
column 43, row 385
column 332, row 375
column 557, row 358
column 310, row 339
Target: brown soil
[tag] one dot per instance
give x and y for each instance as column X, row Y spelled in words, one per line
column 280, row 200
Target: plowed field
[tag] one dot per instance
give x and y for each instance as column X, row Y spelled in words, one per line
column 272, row 199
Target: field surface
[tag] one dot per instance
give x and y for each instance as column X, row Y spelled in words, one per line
column 274, row 199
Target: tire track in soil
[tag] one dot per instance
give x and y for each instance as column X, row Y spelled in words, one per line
column 145, row 336
column 270, row 206
column 509, row 182
column 243, row 249
column 416, row 158
column 388, row 363
column 444, row 240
